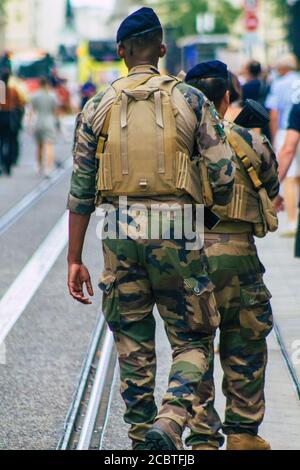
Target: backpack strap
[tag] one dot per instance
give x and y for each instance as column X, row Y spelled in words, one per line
column 165, row 120
column 244, row 152
column 104, row 131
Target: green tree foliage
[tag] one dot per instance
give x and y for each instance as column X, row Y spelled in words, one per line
column 280, row 7
column 181, row 14
column 2, row 7
column 290, row 12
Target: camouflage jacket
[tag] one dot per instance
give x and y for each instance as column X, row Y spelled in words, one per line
column 208, row 140
column 268, row 171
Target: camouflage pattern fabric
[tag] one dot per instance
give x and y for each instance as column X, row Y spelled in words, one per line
column 268, row 171
column 137, row 275
column 246, row 320
column 207, row 139
column 244, row 305
column 244, row 213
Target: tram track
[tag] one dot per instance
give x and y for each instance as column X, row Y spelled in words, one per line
column 86, row 418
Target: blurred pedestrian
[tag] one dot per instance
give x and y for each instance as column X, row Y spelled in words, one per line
column 45, row 107
column 64, row 97
column 88, row 90
column 11, row 113
column 280, row 102
column 288, row 154
column 255, row 88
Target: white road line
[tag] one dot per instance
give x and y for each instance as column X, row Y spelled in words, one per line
column 21, row 291
column 10, row 217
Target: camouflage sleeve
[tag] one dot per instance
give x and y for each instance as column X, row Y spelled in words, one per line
column 214, row 148
column 212, row 145
column 83, row 181
column 269, row 165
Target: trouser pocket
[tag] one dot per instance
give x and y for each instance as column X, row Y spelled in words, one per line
column 256, row 319
column 110, row 303
column 202, row 314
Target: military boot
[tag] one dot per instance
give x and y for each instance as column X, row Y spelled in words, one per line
column 164, row 435
column 139, row 446
column 204, row 447
column 246, row 442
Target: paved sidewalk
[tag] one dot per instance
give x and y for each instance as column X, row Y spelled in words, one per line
column 282, row 421
column 283, row 279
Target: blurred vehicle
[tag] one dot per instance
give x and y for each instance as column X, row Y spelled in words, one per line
column 98, row 63
column 30, row 66
column 196, row 49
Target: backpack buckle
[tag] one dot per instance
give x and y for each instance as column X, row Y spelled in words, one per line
column 143, row 184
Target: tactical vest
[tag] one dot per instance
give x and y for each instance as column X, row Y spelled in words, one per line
column 139, row 152
column 250, row 209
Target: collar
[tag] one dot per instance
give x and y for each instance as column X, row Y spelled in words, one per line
column 143, row 69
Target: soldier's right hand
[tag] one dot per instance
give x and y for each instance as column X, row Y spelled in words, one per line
column 78, row 275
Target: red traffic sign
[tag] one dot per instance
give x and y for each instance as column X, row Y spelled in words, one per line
column 252, row 21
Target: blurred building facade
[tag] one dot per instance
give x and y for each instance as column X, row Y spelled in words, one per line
column 33, row 24
column 45, row 24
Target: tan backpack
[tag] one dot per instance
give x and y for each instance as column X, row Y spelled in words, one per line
column 243, row 207
column 138, row 150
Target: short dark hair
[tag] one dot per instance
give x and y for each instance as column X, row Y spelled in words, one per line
column 254, row 68
column 235, row 88
column 213, row 88
column 144, row 41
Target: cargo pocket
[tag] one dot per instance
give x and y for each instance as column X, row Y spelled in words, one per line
column 202, row 314
column 256, row 319
column 110, row 302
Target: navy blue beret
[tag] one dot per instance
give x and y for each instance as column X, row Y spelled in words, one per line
column 142, row 21
column 210, row 69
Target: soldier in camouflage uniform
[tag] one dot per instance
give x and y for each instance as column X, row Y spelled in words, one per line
column 141, row 273
column 237, row 273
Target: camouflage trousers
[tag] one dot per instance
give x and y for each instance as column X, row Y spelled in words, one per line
column 246, row 319
column 137, row 275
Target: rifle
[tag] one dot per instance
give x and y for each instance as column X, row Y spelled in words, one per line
column 253, row 115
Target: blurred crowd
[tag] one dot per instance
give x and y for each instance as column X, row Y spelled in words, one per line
column 48, row 98
column 278, row 90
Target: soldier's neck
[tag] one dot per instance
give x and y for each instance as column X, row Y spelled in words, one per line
column 136, row 63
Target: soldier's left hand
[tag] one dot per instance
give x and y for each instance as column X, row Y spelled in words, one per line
column 278, row 204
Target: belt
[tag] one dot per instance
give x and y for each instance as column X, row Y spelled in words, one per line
column 227, row 237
